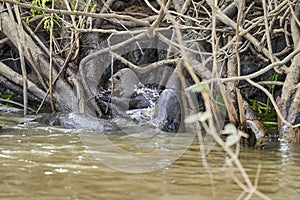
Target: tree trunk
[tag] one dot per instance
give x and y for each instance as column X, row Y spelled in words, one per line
column 290, row 98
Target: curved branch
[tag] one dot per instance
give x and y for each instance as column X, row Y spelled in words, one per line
column 273, row 102
column 260, row 72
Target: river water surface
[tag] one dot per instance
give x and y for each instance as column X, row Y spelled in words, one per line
column 38, row 162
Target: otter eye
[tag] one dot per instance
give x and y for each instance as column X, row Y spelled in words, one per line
column 118, row 77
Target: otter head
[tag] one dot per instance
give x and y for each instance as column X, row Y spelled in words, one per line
column 123, row 82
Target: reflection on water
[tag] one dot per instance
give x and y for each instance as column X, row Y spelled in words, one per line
column 52, row 163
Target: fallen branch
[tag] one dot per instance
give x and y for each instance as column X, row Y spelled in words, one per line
column 18, row 79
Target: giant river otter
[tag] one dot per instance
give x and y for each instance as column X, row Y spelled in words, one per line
column 127, row 93
column 127, row 97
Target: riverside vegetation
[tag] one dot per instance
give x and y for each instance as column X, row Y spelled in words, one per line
column 240, row 60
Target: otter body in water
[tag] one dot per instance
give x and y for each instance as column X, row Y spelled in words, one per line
column 127, row 97
column 167, row 113
column 77, row 121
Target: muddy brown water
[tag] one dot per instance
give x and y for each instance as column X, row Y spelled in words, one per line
column 38, row 162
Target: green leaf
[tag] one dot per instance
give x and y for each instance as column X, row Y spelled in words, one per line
column 27, row 20
column 270, row 123
column 200, row 87
column 7, row 96
column 73, row 4
column 46, row 23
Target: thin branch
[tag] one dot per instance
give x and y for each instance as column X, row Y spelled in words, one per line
column 51, row 61
column 268, row 32
column 147, row 68
column 240, row 6
column 80, row 13
column 21, row 48
column 15, row 103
